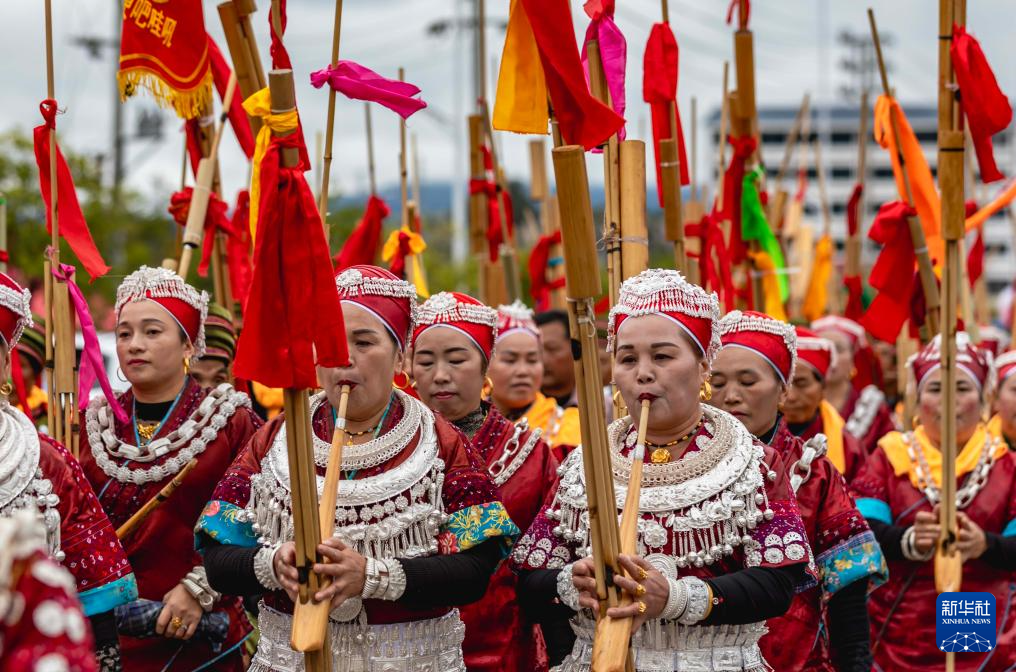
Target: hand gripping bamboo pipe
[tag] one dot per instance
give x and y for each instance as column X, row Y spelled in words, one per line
column 610, row 644
column 310, row 619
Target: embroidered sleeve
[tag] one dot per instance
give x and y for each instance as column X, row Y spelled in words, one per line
column 780, row 539
column 557, row 532
column 222, row 518
column 102, row 574
column 845, row 547
column 471, row 501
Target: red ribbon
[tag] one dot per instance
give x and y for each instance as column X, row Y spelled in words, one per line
column 985, row 106
column 215, row 220
column 975, row 258
column 73, row 227
column 238, row 246
column 853, row 204
column 659, row 89
column 495, row 199
column 361, row 247
column 280, row 57
column 398, row 265
column 717, row 278
column 893, row 272
column 855, row 293
column 5, row 256
column 734, row 4
column 733, row 186
column 539, row 261
column 293, row 311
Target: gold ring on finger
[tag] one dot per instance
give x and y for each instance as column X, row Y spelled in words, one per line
column 640, row 590
column 643, row 574
column 176, row 623
column 642, row 607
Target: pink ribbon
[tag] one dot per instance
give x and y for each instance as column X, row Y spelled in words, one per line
column 613, row 53
column 355, row 81
column 92, row 366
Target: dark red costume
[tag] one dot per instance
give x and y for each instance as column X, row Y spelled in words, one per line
column 853, row 453
column 868, row 417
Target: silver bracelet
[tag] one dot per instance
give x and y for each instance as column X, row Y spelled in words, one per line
column 264, row 568
column 698, row 601
column 393, row 580
column 677, row 600
column 371, row 579
column 910, row 551
column 196, row 583
column 566, row 589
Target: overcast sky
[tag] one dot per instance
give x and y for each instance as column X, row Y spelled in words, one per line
column 384, row 34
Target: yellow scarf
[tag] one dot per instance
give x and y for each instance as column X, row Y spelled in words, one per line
column 832, row 427
column 896, row 450
column 520, row 104
column 821, row 270
column 260, row 105
column 416, row 247
column 542, row 415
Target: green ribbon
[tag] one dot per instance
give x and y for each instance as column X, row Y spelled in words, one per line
column 755, row 227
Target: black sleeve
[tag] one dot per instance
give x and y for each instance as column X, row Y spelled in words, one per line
column 1001, row 552
column 230, row 569
column 889, row 537
column 849, row 634
column 539, row 603
column 450, row 580
column 107, row 643
column 753, row 594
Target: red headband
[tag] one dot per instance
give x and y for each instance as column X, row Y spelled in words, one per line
column 974, row 361
column 516, row 317
column 773, row 340
column 389, row 298
column 185, row 305
column 453, row 310
column 15, row 310
column 819, row 352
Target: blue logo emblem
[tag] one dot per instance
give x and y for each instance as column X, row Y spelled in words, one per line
column 965, row 622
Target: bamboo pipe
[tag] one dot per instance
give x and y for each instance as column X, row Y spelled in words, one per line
column 415, row 180
column 779, row 202
column 370, row 150
column 928, row 282
column 165, row 493
column 583, row 287
column 610, row 643
column 310, row 619
column 478, row 208
column 853, row 248
column 694, row 209
column 948, row 562
column 506, row 252
column 721, row 145
column 243, row 50
column 833, row 303
column 634, row 233
column 549, row 222
column 326, row 161
column 193, row 232
column 673, row 226
column 403, row 166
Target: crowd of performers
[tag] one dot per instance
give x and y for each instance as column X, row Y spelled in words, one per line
column 786, row 521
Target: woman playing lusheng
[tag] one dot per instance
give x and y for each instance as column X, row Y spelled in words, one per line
column 171, row 420
column 899, row 489
column 452, row 344
column 516, row 374
column 419, row 527
column 750, row 377
column 806, row 410
column 703, row 585
column 39, row 475
column 851, row 384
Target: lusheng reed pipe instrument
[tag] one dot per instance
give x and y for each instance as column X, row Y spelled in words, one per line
column 161, row 496
column 243, row 50
column 610, row 644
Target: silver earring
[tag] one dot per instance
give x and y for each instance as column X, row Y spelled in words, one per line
column 119, row 374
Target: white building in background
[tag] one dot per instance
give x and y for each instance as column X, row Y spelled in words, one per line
column 837, row 127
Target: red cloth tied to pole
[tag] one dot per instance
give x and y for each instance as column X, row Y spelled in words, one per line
column 613, row 52
column 237, row 116
column 238, row 249
column 714, row 277
column 853, row 203
column 581, row 118
column 855, row 291
column 984, row 105
column 735, row 4
column 893, row 272
column 494, row 195
column 215, row 220
column 293, row 312
column 280, row 57
column 659, row 89
column 73, row 227
column 402, row 252
column 975, row 258
column 539, row 261
column 733, row 186
column 361, row 247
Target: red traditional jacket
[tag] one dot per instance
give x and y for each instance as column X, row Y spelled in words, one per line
column 468, row 498
column 903, row 611
column 523, row 467
column 41, row 623
column 853, row 454
column 845, row 551
column 162, row 551
column 868, row 417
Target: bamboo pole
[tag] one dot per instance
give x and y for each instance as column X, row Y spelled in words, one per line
column 928, row 282
column 721, row 145
column 694, row 209
column 948, row 562
column 478, row 208
column 3, row 230
column 506, row 251
column 161, row 496
column 370, row 149
column 853, row 246
column 549, row 221
column 416, row 176
column 779, row 201
column 243, row 50
column 833, row 303
column 634, row 232
column 326, row 162
column 673, row 226
column 193, row 232
column 582, row 271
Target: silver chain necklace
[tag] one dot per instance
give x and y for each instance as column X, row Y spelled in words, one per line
column 972, row 485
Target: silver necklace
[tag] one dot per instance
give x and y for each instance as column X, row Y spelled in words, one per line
column 376, row 451
column 974, row 481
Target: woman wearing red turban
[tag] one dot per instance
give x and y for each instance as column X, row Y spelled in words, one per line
column 171, row 420
column 750, row 375
column 40, row 476
column 419, row 525
column 720, row 545
column 899, row 489
column 806, row 410
column 452, row 345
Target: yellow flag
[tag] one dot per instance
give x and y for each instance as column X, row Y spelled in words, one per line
column 822, row 269
column 520, row 104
